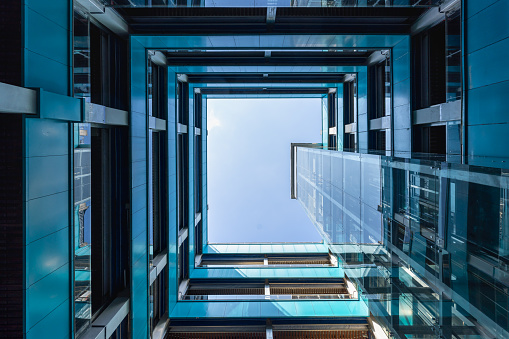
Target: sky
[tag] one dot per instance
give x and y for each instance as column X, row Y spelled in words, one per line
column 248, row 168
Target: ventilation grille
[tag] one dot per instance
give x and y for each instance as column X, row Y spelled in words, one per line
column 307, row 290
column 320, row 334
column 232, row 335
column 227, row 291
column 298, row 262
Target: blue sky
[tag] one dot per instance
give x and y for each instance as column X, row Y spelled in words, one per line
column 248, row 166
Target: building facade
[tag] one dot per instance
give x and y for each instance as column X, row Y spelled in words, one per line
column 104, row 175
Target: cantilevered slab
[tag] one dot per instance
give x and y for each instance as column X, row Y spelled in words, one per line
column 270, row 309
column 267, row 273
column 279, row 248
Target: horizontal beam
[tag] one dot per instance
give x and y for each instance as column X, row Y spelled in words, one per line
column 264, row 90
column 441, row 113
column 15, row 99
column 156, row 124
column 259, row 78
column 100, row 114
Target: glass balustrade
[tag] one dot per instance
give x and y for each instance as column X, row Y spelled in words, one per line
column 269, row 3
column 412, row 233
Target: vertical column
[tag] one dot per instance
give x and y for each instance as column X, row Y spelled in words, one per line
column 139, row 212
column 191, row 150
column 340, row 130
column 47, row 55
column 402, row 114
column 172, row 190
column 362, row 110
column 486, row 81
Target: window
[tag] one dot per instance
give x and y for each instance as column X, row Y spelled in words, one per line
column 429, row 67
column 100, row 220
column 198, row 173
column 108, row 63
column 332, row 119
column 349, row 114
column 182, row 156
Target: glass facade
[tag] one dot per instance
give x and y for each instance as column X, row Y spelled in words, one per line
column 414, row 231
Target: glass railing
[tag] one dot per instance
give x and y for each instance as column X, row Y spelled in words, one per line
column 247, row 297
column 270, row 3
column 425, row 239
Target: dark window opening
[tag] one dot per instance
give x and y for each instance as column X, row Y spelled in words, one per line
column 157, row 90
column 377, row 140
column 453, row 59
column 183, row 262
column 429, row 139
column 109, row 234
column 183, row 156
column 198, row 238
column 429, row 67
column 158, row 298
column 108, row 63
column 158, row 231
column 182, row 184
column 349, row 114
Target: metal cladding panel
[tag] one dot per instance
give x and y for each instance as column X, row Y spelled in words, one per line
column 57, row 11
column 59, row 107
column 139, row 220
column 402, row 117
column 191, row 165
column 403, row 140
column 487, row 105
column 139, row 197
column 475, row 6
column 486, row 43
column 138, row 124
column 46, row 45
column 172, row 189
column 271, row 309
column 46, row 215
column 46, row 73
column 139, row 149
column 46, row 137
column 139, row 246
column 487, row 28
column 46, row 176
column 480, row 142
column 139, row 173
column 45, row 37
column 402, row 93
column 401, row 68
column 47, row 255
column 139, row 311
column 488, row 65
column 52, row 326
column 43, row 297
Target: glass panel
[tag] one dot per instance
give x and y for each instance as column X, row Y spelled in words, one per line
column 82, row 227
column 271, row 3
column 417, row 228
column 81, row 42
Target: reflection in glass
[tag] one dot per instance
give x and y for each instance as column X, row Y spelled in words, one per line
column 414, row 232
column 82, row 227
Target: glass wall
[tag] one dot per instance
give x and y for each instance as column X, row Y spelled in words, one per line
column 425, row 240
